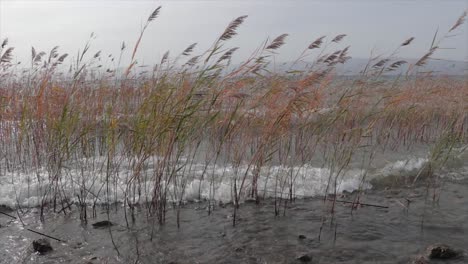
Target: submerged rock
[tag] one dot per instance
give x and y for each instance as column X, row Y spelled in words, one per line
column 102, row 224
column 91, row 260
column 221, row 204
column 442, row 252
column 4, row 208
column 77, row 245
column 420, row 260
column 305, row 258
column 42, row 246
column 250, row 200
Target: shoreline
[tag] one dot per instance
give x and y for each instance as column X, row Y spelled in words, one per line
column 342, row 235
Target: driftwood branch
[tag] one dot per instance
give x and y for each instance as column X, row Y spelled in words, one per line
column 42, row 234
column 358, row 203
column 34, row 231
column 9, row 215
column 66, row 207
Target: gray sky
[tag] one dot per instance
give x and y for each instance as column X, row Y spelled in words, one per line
column 371, row 25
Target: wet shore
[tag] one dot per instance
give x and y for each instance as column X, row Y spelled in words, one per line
column 352, row 234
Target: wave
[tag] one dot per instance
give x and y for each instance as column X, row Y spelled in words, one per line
column 28, row 188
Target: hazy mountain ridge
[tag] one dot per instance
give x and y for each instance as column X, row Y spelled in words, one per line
column 355, row 66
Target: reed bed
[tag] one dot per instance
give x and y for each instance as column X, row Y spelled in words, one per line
column 85, row 135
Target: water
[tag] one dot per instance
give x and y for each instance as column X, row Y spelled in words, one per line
column 366, row 235
column 25, row 187
column 417, row 216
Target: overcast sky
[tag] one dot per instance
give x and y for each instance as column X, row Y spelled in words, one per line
column 371, row 25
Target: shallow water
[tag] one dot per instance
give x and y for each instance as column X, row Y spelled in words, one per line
column 368, row 234
column 365, row 235
column 26, row 186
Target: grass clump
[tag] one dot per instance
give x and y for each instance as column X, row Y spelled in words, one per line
column 93, row 136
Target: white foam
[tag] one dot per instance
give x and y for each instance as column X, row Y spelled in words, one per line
column 407, row 167
column 455, row 167
column 28, row 188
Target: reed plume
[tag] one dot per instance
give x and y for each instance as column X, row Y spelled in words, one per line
column 423, row 60
column 189, row 49
column 227, row 55
column 7, row 55
column 192, row 61
column 155, row 14
column 33, row 53
column 165, row 57
column 152, row 17
column 343, row 57
column 396, row 65
column 338, row 38
column 53, row 54
column 316, row 43
column 38, row 57
column 277, row 42
column 459, row 22
column 231, row 29
column 407, row 42
column 4, row 43
column 380, row 63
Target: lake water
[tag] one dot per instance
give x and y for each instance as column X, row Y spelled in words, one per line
column 396, row 234
column 401, row 222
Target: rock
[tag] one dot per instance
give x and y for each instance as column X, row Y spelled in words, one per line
column 305, row 258
column 5, row 209
column 102, row 224
column 302, row 237
column 442, row 252
column 77, row 245
column 239, row 249
column 42, row 246
column 91, row 261
column 210, row 208
column 250, row 200
column 420, row 260
column 346, row 192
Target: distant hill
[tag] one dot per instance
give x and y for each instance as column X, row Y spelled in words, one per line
column 439, row 67
column 355, row 66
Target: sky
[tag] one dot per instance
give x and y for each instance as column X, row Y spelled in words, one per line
column 374, row 27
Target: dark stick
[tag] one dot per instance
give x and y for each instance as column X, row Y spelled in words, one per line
column 39, row 233
column 365, row 204
column 66, row 207
column 14, row 217
column 342, row 201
